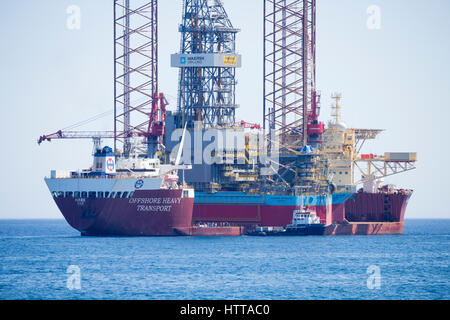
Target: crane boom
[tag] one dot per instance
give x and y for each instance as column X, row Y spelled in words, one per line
column 76, row 135
column 248, row 125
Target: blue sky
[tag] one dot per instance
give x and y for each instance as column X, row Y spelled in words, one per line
column 395, row 78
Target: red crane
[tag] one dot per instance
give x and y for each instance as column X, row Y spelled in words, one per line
column 157, row 125
column 248, row 125
column 315, row 128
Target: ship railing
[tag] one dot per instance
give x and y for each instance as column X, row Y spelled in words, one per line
column 121, row 176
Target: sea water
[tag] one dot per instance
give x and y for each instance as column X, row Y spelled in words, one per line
column 47, row 259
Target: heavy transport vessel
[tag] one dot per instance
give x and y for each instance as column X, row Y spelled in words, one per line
column 246, row 175
column 135, row 197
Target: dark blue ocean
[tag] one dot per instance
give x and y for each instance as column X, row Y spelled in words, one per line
column 46, row 259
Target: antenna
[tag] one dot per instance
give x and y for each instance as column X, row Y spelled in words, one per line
column 336, row 107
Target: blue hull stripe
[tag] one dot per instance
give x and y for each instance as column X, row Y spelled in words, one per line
column 240, row 198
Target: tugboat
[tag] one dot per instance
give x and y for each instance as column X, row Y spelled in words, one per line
column 305, row 222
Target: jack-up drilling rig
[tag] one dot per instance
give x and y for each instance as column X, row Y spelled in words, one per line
column 139, row 107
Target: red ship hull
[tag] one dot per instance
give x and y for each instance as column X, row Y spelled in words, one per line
column 360, row 214
column 377, row 207
column 365, row 228
column 249, row 215
column 128, row 217
column 372, row 214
